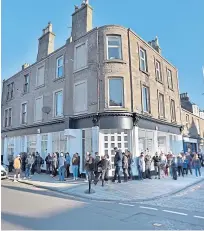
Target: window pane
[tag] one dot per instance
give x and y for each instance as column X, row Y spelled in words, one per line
column 60, row 62
column 161, row 105
column 58, row 103
column 113, row 41
column 114, row 53
column 60, row 71
column 143, row 65
column 142, row 54
column 80, row 59
column 40, row 76
column 38, row 109
column 169, row 73
column 114, row 47
column 116, row 92
column 145, row 99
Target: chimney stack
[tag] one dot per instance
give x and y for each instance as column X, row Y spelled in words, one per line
column 155, row 44
column 184, row 96
column 81, row 20
column 25, row 65
column 46, row 42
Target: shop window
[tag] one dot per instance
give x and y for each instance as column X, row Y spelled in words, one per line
column 105, row 138
column 31, row 144
column 44, row 142
column 22, row 143
column 10, row 146
column 59, row 142
column 146, row 141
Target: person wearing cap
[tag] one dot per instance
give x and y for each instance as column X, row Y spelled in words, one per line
column 61, row 165
column 17, row 167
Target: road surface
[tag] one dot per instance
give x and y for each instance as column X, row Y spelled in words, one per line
column 28, row 207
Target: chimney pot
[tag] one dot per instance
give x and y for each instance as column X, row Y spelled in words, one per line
column 25, row 65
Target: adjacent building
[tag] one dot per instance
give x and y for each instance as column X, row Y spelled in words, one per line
column 193, row 124
column 105, row 87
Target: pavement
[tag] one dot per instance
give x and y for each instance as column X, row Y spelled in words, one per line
column 26, row 207
column 132, row 191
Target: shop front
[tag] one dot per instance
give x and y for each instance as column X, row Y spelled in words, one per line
column 190, row 144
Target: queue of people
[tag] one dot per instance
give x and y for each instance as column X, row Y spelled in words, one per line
column 169, row 165
column 97, row 167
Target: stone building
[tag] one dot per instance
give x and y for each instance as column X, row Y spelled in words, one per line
column 193, row 123
column 105, row 87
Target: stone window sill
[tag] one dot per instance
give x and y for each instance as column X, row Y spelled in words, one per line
column 38, row 87
column 115, row 61
column 159, row 81
column 145, row 72
column 59, row 79
column 81, row 69
column 116, row 109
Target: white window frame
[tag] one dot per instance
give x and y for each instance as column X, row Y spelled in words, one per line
column 174, row 110
column 198, row 126
column 86, row 106
column 147, row 99
column 168, row 77
column 114, row 46
column 164, row 114
column 54, row 104
column 158, row 70
column 187, row 121
column 6, row 125
column 85, row 43
column 143, row 59
column 40, row 66
column 123, row 98
column 58, row 66
column 10, row 88
column 21, row 122
column 26, row 83
column 40, row 97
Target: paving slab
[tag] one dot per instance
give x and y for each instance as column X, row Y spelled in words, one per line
column 131, row 191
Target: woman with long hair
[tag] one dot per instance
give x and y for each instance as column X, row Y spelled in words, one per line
column 197, row 165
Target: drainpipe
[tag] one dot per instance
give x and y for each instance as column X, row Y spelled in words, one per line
column 130, row 70
column 98, row 74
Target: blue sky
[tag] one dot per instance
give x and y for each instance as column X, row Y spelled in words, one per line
column 179, row 24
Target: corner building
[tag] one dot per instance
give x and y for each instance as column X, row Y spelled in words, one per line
column 105, row 87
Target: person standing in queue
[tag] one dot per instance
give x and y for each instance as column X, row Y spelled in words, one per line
column 118, row 164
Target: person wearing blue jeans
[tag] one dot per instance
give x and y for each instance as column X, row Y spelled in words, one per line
column 27, row 171
column 28, row 164
column 196, row 165
column 75, row 166
column 75, row 171
column 62, row 161
column 61, row 173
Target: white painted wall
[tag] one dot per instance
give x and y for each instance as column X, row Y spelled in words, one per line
column 95, row 139
column 74, row 144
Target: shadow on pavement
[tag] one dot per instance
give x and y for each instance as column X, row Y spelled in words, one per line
column 39, row 191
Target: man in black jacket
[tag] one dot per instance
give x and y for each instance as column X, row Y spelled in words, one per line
column 118, row 164
column 157, row 161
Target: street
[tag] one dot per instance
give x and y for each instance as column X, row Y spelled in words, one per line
column 28, row 207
